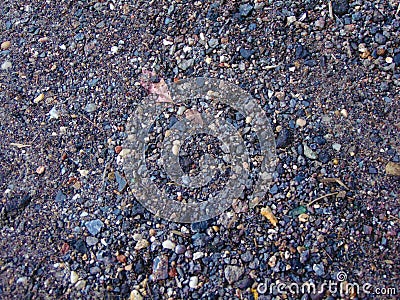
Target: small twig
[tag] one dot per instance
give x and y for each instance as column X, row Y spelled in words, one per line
column 337, row 180
column 19, row 146
column 104, row 176
column 91, row 122
column 149, row 291
column 271, row 67
column 330, row 9
column 319, row 198
column 327, row 254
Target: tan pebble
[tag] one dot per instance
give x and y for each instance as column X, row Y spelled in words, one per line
column 393, row 168
column 267, row 213
column 389, row 60
column 43, row 39
column 5, row 45
column 301, row 122
column 344, row 113
column 365, row 54
column 175, row 149
column 280, row 95
column 40, row 170
column 304, row 218
column 38, row 98
column 335, row 161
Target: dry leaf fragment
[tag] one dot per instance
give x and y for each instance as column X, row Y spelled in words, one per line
column 159, row 88
column 266, row 212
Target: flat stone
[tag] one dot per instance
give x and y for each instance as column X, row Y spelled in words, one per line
column 319, row 269
column 160, row 268
column 79, row 37
column 91, row 240
column 246, row 53
column 6, row 65
column 193, row 282
column 308, row 152
column 94, row 226
column 74, row 277
column 121, row 182
column 168, row 245
column 233, row 273
column 90, row 107
column 245, row 9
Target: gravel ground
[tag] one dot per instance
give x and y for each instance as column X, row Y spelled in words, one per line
column 327, row 76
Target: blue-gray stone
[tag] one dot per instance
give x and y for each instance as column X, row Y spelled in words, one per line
column 94, row 226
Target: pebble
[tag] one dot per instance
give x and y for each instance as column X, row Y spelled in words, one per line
column 308, row 152
column 168, row 245
column 180, row 249
column 40, row 170
column 233, row 273
column 336, row 146
column 319, row 269
column 245, row 9
column 94, row 226
column 74, row 277
column 135, row 295
column 320, row 23
column 304, row 218
column 396, row 59
column 186, row 64
column 290, row 19
column 80, row 285
column 301, row 122
column 340, row 7
column 284, row 138
column 380, row 38
column 5, row 45
column 90, row 107
column 38, row 98
column 272, row 261
column 53, row 113
column 141, row 244
column 246, row 53
column 175, row 149
column 122, row 183
column 392, row 168
column 60, row 197
column 79, row 37
column 372, row 170
column 91, row 240
column 193, row 282
column 160, row 268
column 198, row 255
column 6, row 65
column 94, row 270
column 367, row 229
column 304, row 255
